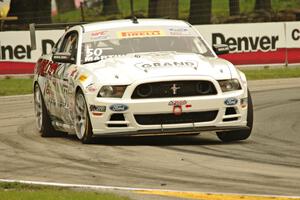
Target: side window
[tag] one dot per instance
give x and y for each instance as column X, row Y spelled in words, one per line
column 56, row 46
column 69, row 44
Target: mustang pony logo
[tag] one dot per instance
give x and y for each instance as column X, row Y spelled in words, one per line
column 174, row 89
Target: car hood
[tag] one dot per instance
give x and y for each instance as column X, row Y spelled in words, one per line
column 142, row 66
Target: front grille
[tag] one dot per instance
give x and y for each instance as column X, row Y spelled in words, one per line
column 174, row 89
column 170, row 118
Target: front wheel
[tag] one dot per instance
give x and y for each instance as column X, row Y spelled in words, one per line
column 43, row 121
column 240, row 134
column 83, row 125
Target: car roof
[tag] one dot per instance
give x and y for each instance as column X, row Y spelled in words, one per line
column 129, row 23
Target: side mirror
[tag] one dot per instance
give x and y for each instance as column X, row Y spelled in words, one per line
column 220, row 49
column 63, row 57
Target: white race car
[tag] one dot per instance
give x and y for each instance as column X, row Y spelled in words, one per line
column 139, row 78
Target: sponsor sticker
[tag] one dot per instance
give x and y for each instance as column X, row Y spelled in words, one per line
column 92, row 88
column 82, row 78
column 177, row 103
column 95, row 108
column 142, row 33
column 118, row 107
column 179, row 31
column 100, row 35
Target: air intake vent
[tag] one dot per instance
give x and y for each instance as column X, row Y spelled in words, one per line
column 117, row 117
column 230, row 111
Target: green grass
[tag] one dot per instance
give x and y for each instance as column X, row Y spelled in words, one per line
column 258, row 74
column 15, row 86
column 17, row 191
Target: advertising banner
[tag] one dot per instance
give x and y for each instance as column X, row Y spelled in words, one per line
column 259, row 44
column 249, row 44
column 16, row 56
column 293, row 42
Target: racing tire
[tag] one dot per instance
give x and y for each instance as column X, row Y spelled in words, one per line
column 43, row 121
column 237, row 135
column 83, row 126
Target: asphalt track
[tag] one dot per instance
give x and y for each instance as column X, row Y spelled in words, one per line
column 268, row 163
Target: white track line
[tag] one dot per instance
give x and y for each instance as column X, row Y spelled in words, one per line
column 102, row 187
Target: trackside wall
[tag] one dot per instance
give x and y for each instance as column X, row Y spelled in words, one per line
column 257, row 44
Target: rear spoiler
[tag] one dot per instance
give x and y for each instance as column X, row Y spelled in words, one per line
column 33, row 27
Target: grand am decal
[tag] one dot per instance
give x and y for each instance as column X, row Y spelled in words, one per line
column 168, row 64
column 144, row 33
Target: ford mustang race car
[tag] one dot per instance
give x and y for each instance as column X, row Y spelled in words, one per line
column 144, row 77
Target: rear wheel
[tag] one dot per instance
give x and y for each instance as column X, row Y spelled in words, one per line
column 43, row 121
column 240, row 134
column 83, row 126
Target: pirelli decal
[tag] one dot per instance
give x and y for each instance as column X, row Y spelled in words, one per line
column 142, row 33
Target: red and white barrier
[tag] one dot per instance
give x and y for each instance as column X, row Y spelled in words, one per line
column 257, row 44
column 16, row 56
column 249, row 44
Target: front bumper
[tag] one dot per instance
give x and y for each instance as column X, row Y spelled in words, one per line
column 128, row 125
column 174, row 131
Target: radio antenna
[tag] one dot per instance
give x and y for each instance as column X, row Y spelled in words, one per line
column 133, row 17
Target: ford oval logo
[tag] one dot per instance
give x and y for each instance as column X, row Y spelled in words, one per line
column 231, row 101
column 118, row 107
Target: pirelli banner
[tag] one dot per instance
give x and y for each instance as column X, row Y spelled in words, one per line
column 258, row 44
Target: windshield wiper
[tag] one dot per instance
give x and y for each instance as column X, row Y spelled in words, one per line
column 92, row 61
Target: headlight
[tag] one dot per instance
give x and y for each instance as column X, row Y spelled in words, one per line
column 115, row 91
column 230, row 85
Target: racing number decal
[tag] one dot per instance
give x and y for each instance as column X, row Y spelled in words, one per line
column 93, row 54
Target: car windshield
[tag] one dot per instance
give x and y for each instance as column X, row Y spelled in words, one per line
column 102, row 44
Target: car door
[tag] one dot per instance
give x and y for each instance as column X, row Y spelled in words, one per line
column 63, row 77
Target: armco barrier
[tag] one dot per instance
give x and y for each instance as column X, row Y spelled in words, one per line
column 257, row 44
